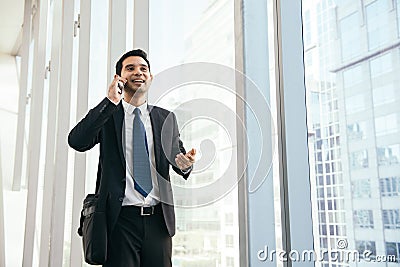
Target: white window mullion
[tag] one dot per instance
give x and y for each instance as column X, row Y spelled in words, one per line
column 2, row 235
column 35, row 128
column 258, row 118
column 82, row 106
column 63, row 122
column 141, row 24
column 292, row 170
column 116, row 40
column 241, row 135
column 23, row 90
column 49, row 171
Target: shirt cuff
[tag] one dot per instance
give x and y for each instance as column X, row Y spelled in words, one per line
column 186, row 171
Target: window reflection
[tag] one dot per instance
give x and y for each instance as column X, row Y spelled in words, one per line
column 393, row 248
column 350, row 36
column 361, row 188
column 357, row 130
column 359, row 159
column 398, row 18
column 355, row 103
column 366, row 245
column 390, row 186
column 384, row 94
column 377, row 23
column 391, row 219
column 386, row 124
column 352, row 76
column 363, row 218
column 381, row 65
column 388, row 155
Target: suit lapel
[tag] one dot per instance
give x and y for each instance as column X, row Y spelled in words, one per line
column 118, row 120
column 156, row 126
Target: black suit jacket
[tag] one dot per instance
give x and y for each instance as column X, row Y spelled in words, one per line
column 103, row 125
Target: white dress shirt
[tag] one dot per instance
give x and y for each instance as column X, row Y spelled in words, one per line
column 133, row 197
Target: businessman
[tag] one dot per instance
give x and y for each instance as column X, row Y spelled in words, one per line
column 138, row 144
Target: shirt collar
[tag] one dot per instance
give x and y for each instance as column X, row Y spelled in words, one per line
column 130, row 108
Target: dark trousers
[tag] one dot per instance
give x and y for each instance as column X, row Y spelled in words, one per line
column 139, row 241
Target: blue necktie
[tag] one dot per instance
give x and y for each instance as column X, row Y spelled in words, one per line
column 141, row 164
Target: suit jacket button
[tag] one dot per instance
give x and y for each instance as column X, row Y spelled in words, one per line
column 121, row 199
column 123, row 180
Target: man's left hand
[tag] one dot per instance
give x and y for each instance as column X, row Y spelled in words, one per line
column 185, row 161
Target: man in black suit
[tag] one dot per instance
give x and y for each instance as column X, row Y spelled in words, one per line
column 138, row 143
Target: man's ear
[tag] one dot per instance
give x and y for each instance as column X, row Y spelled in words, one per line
column 151, row 76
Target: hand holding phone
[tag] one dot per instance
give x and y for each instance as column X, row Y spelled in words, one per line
column 115, row 89
column 185, row 161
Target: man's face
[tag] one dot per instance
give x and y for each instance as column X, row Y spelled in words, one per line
column 137, row 73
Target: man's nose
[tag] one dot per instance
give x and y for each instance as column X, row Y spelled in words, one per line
column 137, row 72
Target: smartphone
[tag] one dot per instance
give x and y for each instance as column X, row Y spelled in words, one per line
column 120, row 87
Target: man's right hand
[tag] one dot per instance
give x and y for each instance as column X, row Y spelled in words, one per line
column 114, row 92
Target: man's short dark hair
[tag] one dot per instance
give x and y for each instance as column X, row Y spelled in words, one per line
column 132, row 53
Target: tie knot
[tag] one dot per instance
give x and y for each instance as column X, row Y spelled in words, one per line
column 136, row 111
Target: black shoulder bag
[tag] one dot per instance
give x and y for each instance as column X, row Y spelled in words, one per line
column 93, row 229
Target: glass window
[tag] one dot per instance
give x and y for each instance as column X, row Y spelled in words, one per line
column 365, row 245
column 384, row 94
column 388, row 155
column 386, row 124
column 359, row 159
column 350, row 36
column 230, row 261
column 391, row 219
column 352, row 76
column 355, row 104
column 229, row 219
column 381, row 65
column 308, row 58
column 361, row 83
column 393, row 249
column 390, row 186
column 398, row 16
column 363, row 218
column 361, row 188
column 188, row 32
column 357, row 130
column 229, row 241
column 307, row 23
column 377, row 23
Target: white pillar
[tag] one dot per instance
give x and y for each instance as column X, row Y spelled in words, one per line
column 35, row 128
column 2, row 236
column 241, row 135
column 82, row 106
column 141, row 25
column 49, row 172
column 23, row 89
column 116, row 34
column 63, row 120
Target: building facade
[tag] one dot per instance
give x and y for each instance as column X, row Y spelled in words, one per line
column 352, row 67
